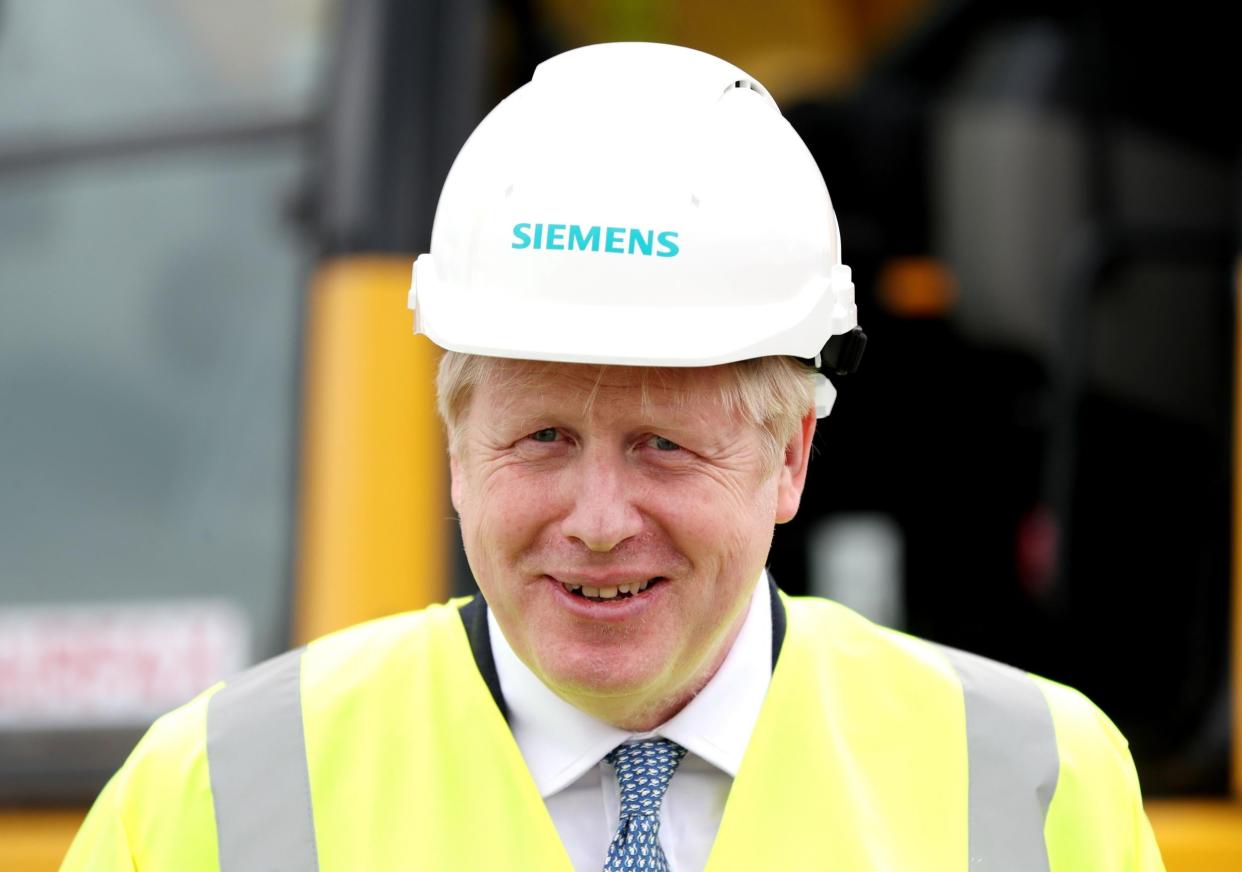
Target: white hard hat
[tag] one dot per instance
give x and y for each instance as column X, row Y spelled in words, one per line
column 636, row 204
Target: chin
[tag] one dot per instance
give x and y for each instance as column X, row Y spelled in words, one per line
column 590, row 672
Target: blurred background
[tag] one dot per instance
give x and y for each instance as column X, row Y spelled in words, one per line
column 217, row 437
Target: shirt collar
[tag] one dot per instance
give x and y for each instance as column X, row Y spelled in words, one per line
column 560, row 742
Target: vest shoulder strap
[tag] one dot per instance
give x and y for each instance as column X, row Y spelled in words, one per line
column 374, row 748
column 897, row 752
column 256, row 754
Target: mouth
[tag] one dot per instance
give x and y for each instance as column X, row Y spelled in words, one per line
column 617, row 594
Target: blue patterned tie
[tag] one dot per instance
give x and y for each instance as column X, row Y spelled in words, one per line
column 643, row 773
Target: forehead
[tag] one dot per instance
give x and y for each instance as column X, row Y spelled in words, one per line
column 598, row 391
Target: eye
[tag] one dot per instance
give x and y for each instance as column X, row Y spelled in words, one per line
column 547, row 434
column 664, row 444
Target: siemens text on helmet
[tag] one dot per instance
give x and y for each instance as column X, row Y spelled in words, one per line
column 614, row 240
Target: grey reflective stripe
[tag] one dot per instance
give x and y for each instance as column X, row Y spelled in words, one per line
column 256, row 754
column 1012, row 752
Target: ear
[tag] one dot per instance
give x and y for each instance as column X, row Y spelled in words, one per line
column 791, row 477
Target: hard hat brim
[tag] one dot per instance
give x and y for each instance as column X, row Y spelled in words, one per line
column 628, row 335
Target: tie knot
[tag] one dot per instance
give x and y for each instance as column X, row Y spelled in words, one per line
column 643, row 772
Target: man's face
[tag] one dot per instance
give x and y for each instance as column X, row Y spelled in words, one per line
column 567, row 484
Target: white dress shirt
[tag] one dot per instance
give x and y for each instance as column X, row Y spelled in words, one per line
column 564, row 748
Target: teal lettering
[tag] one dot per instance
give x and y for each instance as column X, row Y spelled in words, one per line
column 641, row 239
column 522, row 232
column 579, row 240
column 615, row 240
column 556, row 236
column 670, row 247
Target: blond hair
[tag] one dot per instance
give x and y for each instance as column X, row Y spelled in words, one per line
column 771, row 393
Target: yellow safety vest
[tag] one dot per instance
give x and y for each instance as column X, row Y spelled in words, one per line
column 381, row 747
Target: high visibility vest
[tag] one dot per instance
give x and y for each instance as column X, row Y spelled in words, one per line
column 381, row 747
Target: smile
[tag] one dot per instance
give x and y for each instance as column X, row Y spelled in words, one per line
column 605, row 594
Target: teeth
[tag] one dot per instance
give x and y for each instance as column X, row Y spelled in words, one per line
column 608, row 592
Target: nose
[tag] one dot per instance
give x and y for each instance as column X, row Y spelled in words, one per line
column 602, row 512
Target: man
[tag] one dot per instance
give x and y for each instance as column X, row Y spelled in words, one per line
column 635, row 272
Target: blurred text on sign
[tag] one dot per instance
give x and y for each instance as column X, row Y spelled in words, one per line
column 111, row 665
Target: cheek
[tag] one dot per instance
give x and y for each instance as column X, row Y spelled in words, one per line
column 725, row 522
column 504, row 514
column 727, row 539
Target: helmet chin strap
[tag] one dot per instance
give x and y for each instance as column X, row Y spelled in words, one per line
column 825, row 392
column 844, row 352
column 825, row 395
